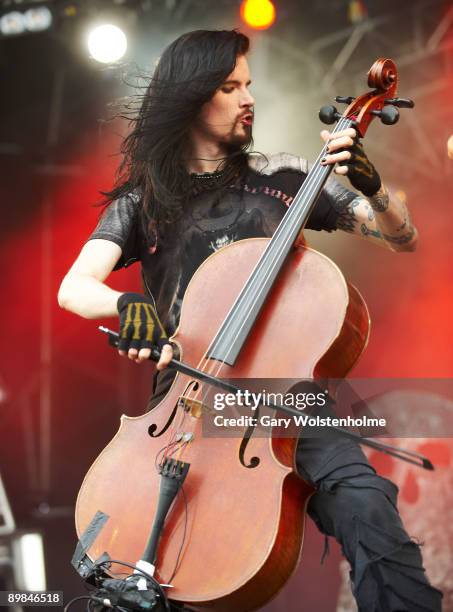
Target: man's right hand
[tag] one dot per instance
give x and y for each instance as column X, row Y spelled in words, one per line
column 140, row 329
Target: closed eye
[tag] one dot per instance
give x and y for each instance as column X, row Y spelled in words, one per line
column 229, row 86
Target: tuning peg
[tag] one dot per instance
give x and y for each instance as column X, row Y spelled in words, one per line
column 329, row 114
column 389, row 115
column 400, row 102
column 344, row 99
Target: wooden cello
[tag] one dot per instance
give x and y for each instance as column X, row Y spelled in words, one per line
column 259, row 308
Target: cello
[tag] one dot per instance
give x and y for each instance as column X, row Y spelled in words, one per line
column 234, row 530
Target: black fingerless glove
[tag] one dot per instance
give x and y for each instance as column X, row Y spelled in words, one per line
column 361, row 172
column 139, row 324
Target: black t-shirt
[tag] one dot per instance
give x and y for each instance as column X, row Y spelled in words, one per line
column 212, row 220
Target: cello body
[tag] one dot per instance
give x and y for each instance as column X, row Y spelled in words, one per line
column 233, row 539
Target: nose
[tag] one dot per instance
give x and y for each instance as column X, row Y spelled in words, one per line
column 247, row 99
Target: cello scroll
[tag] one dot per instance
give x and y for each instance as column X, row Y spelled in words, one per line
column 381, row 102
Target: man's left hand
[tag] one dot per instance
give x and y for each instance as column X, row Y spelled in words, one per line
column 344, row 146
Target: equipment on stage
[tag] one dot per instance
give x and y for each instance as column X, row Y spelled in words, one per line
column 229, row 538
column 139, row 592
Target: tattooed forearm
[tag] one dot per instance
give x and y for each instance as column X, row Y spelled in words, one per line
column 370, row 212
column 404, row 239
column 380, row 200
column 403, row 225
column 393, row 221
column 347, row 219
column 391, row 227
column 366, row 231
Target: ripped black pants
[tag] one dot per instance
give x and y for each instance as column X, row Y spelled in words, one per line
column 358, row 507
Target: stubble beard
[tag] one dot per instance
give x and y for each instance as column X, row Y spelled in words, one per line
column 240, row 140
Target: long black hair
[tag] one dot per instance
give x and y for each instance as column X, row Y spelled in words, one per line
column 187, row 76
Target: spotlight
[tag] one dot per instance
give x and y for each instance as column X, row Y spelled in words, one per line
column 32, row 20
column 38, row 19
column 29, row 562
column 357, row 11
column 107, row 43
column 12, row 23
column 258, row 14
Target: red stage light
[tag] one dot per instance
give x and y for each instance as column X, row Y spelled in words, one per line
column 258, row 14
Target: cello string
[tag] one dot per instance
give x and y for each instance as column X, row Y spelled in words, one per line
column 275, row 255
column 311, row 187
column 310, row 190
column 175, row 429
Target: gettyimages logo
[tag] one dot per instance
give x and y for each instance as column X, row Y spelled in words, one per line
column 253, row 400
column 367, row 407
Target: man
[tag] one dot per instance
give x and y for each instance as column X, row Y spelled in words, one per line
column 187, row 187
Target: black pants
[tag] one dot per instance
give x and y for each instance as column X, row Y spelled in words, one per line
column 358, row 508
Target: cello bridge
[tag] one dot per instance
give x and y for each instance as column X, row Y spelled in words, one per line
column 194, row 407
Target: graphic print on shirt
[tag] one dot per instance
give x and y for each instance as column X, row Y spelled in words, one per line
column 214, row 224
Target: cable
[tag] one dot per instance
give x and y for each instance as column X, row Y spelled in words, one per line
column 183, row 535
column 144, row 574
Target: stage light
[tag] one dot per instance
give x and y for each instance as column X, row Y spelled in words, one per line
column 450, row 147
column 32, row 20
column 107, row 43
column 12, row 23
column 258, row 14
column 357, row 11
column 29, row 562
column 38, row 19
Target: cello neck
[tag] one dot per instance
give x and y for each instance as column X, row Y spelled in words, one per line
column 237, row 325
